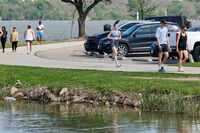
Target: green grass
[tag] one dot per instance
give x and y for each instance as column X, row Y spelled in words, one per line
column 195, row 64
column 98, row 80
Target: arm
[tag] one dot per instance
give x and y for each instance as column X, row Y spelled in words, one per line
column 33, row 33
column 11, row 37
column 1, row 33
column 109, row 35
column 187, row 46
column 177, row 42
column 157, row 38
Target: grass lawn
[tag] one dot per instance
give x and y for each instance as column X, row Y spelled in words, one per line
column 98, row 80
column 195, row 64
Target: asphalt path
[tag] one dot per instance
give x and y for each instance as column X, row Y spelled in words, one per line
column 71, row 55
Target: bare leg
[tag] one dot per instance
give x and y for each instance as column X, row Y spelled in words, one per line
column 27, row 43
column 160, row 59
column 30, row 47
column 186, row 56
column 166, row 56
column 115, row 56
column 180, row 61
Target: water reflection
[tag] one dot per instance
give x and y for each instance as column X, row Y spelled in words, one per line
column 23, row 117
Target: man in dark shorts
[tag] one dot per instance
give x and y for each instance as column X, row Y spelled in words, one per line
column 162, row 44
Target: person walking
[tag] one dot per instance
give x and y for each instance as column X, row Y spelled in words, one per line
column 115, row 36
column 29, row 36
column 3, row 37
column 40, row 32
column 162, row 44
column 14, row 37
column 181, row 47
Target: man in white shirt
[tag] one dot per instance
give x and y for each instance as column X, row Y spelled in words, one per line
column 162, row 44
column 40, row 32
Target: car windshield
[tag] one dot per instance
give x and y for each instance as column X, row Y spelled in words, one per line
column 127, row 26
column 130, row 30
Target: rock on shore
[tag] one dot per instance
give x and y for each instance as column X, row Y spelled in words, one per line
column 70, row 96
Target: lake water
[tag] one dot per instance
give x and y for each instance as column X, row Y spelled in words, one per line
column 57, row 30
column 23, row 117
column 60, row 30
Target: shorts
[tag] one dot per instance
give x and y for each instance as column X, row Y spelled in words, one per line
column 30, row 41
column 115, row 44
column 163, row 48
column 40, row 35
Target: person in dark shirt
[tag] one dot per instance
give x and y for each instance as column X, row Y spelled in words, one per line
column 3, row 37
column 181, row 47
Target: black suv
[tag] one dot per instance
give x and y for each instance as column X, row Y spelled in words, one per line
column 137, row 39
column 92, row 42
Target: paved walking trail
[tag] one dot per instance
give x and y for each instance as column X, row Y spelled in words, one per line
column 71, row 55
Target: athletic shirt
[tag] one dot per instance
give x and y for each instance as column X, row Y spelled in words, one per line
column 182, row 42
column 29, row 35
column 41, row 28
column 115, row 35
column 14, row 36
column 161, row 34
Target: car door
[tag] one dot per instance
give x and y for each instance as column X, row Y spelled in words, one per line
column 142, row 38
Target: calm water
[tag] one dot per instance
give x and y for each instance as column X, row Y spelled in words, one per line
column 37, row 118
column 57, row 30
column 60, row 30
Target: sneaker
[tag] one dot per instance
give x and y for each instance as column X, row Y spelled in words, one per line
column 118, row 65
column 162, row 70
column 180, row 70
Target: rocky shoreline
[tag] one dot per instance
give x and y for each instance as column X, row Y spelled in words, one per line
column 74, row 96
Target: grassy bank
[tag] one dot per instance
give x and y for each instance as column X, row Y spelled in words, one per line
column 99, row 80
column 161, row 92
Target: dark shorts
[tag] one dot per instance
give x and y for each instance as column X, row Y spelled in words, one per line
column 30, row 41
column 115, row 44
column 163, row 48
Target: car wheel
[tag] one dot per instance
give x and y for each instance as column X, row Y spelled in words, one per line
column 123, row 49
column 196, row 53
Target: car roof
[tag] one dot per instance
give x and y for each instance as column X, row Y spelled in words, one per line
column 154, row 22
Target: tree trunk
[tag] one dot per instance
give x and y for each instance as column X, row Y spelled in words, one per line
column 81, row 25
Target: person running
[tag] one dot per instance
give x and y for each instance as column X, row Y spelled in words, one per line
column 115, row 36
column 14, row 37
column 40, row 32
column 181, row 47
column 162, row 44
column 3, row 37
column 29, row 36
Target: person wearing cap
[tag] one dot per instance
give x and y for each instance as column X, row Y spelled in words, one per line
column 163, row 45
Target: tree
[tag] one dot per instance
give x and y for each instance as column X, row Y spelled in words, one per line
column 144, row 7
column 83, row 8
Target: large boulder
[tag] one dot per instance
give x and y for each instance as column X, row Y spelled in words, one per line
column 16, row 93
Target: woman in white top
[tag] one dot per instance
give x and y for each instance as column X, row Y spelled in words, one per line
column 29, row 36
column 115, row 36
